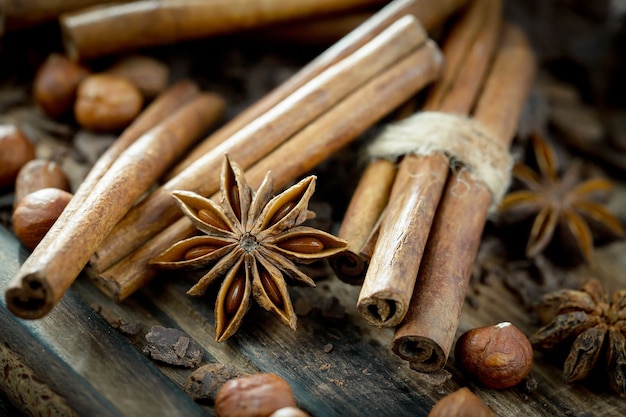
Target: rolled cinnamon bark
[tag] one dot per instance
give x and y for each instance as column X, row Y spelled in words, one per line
column 261, row 136
column 430, row 13
column 302, row 152
column 321, row 31
column 363, row 218
column 21, row 14
column 115, row 28
column 50, row 270
column 390, row 278
column 404, row 230
column 427, row 333
column 167, row 103
column 366, row 205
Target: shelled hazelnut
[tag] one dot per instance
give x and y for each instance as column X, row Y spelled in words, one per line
column 36, row 213
column 15, row 151
column 56, row 83
column 257, row 395
column 148, row 74
column 498, row 356
column 460, row 403
column 106, row 103
column 38, row 174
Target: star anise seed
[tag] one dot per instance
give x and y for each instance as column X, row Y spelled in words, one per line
column 251, row 242
column 591, row 327
column 561, row 203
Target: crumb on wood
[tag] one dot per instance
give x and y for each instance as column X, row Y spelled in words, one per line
column 203, row 383
column 126, row 328
column 173, row 347
column 530, row 384
column 338, row 382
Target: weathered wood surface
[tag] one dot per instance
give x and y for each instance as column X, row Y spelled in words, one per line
column 81, row 358
column 101, row 372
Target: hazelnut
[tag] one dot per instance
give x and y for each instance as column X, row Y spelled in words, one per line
column 106, row 103
column 38, row 174
column 257, row 395
column 498, row 356
column 461, row 403
column 36, row 213
column 55, row 84
column 148, row 74
column 15, row 151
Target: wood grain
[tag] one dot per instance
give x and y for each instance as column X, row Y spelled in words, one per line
column 359, row 375
column 77, row 355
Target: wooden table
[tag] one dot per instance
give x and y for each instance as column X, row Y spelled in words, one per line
column 336, row 367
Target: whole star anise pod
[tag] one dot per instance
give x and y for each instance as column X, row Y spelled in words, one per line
column 593, row 328
column 250, row 242
column 559, row 201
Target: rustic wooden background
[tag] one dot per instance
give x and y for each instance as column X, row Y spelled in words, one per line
column 336, row 363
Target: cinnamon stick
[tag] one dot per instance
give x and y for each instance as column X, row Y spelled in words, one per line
column 114, row 28
column 427, row 333
column 365, row 209
column 21, row 14
column 261, row 136
column 169, row 101
column 376, row 187
column 173, row 98
column 367, row 203
column 385, row 295
column 401, row 178
column 324, row 30
column 430, row 13
column 50, row 269
column 301, row 153
column 390, row 278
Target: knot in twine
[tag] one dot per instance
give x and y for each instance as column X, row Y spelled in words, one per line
column 463, row 140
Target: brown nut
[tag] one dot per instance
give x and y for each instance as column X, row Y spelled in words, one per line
column 106, row 103
column 289, row 412
column 15, row 151
column 38, row 174
column 498, row 356
column 36, row 213
column 257, row 395
column 55, row 84
column 148, row 74
column 460, row 403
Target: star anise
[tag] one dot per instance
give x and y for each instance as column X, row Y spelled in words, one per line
column 250, row 242
column 592, row 327
column 559, row 202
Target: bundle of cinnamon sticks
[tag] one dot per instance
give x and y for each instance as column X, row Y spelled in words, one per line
column 145, row 150
column 290, row 139
column 438, row 174
column 329, row 103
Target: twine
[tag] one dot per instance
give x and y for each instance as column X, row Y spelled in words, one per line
column 463, row 140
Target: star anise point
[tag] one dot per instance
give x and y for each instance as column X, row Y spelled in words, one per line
column 591, row 327
column 252, row 242
column 559, row 203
